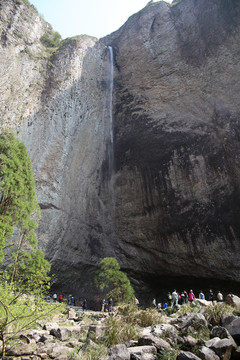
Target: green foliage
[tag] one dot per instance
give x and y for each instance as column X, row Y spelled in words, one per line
column 20, row 312
column 19, row 214
column 149, row 317
column 167, row 354
column 94, row 352
column 142, row 318
column 188, row 308
column 118, row 331
column 51, row 40
column 110, row 276
column 18, row 200
column 202, row 333
column 215, row 313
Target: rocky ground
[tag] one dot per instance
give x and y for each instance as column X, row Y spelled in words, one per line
column 190, row 332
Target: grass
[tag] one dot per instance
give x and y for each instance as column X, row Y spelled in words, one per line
column 119, row 331
column 214, row 314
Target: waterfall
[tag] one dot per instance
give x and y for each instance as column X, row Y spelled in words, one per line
column 111, row 92
column 106, row 196
column 111, row 168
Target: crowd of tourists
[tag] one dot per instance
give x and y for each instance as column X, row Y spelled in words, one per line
column 106, row 305
column 184, row 297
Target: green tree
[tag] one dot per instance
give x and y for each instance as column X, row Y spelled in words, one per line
column 19, row 214
column 111, row 277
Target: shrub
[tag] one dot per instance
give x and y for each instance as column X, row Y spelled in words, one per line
column 215, row 313
column 119, row 332
column 51, row 40
column 94, row 352
column 149, row 317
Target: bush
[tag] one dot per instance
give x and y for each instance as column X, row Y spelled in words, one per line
column 149, row 317
column 215, row 313
column 51, row 40
column 119, row 332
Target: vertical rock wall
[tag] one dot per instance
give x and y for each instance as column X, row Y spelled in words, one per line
column 167, row 207
column 177, row 148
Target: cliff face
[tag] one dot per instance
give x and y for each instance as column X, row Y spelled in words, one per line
column 163, row 196
column 177, row 148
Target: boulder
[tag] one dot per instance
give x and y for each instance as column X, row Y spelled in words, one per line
column 119, row 351
column 222, row 347
column 50, row 325
column 140, row 350
column 190, row 341
column 97, row 330
column 186, row 355
column 232, row 324
column 206, row 353
column 20, row 350
column 221, row 332
column 194, row 320
column 232, row 300
column 159, row 343
column 72, row 314
column 203, row 302
column 60, row 352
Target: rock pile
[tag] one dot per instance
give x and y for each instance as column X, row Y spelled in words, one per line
column 192, row 332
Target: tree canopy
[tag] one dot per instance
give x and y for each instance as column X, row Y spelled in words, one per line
column 111, row 277
column 19, row 212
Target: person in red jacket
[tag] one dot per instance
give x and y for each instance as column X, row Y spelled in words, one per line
column 191, row 296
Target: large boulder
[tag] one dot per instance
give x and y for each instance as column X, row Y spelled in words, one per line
column 186, row 355
column 206, row 353
column 233, row 300
column 232, row 324
column 194, row 320
column 118, row 352
column 156, row 341
column 222, row 347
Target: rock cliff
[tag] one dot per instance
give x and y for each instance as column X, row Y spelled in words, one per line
column 162, row 194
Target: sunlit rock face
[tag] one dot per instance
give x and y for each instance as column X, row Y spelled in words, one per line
column 163, row 197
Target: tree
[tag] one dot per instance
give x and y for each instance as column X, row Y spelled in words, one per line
column 110, row 276
column 19, row 214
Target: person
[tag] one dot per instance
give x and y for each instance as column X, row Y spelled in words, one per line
column 210, row 297
column 159, row 306
column 103, row 305
column 72, row 300
column 191, row 296
column 182, row 298
column 60, row 298
column 219, row 297
column 165, row 305
column 55, row 297
column 174, row 300
column 154, row 303
column 69, row 299
column 169, row 299
column 185, row 297
column 201, row 295
column 136, row 302
column 110, row 305
column 84, row 305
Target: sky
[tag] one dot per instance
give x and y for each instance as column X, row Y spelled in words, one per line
column 90, row 17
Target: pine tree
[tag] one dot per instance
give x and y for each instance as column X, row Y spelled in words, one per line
column 110, row 276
